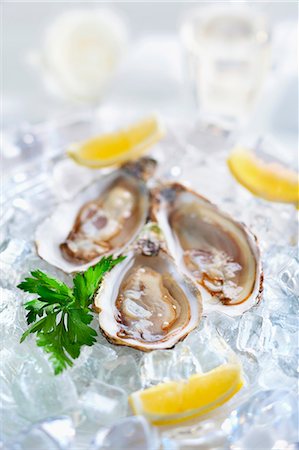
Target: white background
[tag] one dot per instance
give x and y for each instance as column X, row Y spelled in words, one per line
column 153, row 77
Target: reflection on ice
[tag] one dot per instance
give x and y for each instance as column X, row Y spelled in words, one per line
column 95, row 391
column 133, row 433
column 265, row 421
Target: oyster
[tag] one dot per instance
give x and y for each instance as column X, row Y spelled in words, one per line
column 101, row 220
column 146, row 303
column 217, row 251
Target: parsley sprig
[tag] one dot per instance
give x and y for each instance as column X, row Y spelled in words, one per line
column 65, row 313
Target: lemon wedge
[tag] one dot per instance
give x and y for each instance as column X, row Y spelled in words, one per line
column 115, row 148
column 176, row 401
column 271, row 181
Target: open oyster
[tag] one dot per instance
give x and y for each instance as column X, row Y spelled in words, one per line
column 217, row 251
column 99, row 221
column 145, row 302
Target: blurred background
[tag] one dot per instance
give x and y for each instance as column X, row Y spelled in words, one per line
column 156, row 64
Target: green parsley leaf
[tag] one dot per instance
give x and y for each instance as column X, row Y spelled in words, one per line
column 85, row 284
column 64, row 313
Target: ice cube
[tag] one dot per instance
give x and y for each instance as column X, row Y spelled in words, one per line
column 39, row 393
column 169, row 444
column 285, row 344
column 165, row 365
column 122, row 350
column 277, row 302
column 61, row 429
column 7, row 307
column 5, row 393
column 224, row 326
column 202, row 435
column 266, row 220
column 201, row 351
column 15, row 251
column 209, row 349
column 12, row 313
column 12, row 356
column 185, row 363
column 133, row 433
column 122, row 372
column 265, row 421
column 36, row 439
column 251, row 368
column 273, row 377
column 289, row 278
column 254, row 334
column 11, row 260
column 27, row 212
column 103, row 404
column 34, row 262
column 289, row 364
column 282, row 265
column 90, row 365
column 276, row 259
column 272, row 299
column 289, row 322
column 11, row 423
column 155, row 367
column 55, row 434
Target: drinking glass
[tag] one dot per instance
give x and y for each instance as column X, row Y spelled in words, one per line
column 228, row 51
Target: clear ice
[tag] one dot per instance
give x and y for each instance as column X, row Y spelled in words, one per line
column 133, row 433
column 87, row 406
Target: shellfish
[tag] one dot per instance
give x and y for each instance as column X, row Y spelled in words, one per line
column 102, row 219
column 145, row 302
column 219, row 253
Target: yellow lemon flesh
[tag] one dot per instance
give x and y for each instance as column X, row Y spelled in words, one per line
column 270, row 181
column 176, row 401
column 115, row 148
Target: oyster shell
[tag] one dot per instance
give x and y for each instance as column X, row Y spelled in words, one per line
column 219, row 253
column 101, row 220
column 146, row 303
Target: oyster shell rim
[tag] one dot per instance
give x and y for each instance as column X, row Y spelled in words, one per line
column 138, row 345
column 257, row 289
column 67, row 266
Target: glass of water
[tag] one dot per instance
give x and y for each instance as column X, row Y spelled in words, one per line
column 228, row 53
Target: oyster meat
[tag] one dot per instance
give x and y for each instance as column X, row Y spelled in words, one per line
column 145, row 303
column 101, row 220
column 101, row 223
column 217, row 251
